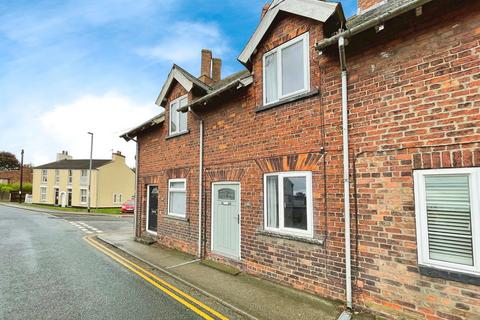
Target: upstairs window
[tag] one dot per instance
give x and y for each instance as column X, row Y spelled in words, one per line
column 57, row 176
column 448, row 219
column 177, row 197
column 70, row 176
column 288, row 203
column 286, row 70
column 178, row 120
column 44, row 175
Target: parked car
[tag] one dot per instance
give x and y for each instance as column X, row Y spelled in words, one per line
column 128, row 206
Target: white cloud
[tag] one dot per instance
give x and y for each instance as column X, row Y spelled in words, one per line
column 183, row 42
column 65, row 127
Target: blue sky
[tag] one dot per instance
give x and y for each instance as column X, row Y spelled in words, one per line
column 68, row 67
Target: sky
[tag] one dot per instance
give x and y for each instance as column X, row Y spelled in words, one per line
column 70, row 67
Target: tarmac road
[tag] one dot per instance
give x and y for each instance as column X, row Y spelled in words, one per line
column 47, row 271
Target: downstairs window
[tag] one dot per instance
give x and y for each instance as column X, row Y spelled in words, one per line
column 448, row 219
column 288, row 203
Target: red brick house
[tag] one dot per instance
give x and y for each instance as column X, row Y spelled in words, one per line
column 13, row 176
column 253, row 170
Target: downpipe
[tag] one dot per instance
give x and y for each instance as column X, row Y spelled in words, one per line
column 200, row 182
column 346, row 181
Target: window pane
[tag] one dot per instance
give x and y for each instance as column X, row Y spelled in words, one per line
column 173, row 117
column 272, row 201
column 295, row 202
column 178, row 202
column 270, row 69
column 177, row 185
column 449, row 219
column 183, row 116
column 293, row 72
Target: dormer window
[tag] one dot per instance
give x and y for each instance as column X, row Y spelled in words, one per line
column 286, row 70
column 178, row 120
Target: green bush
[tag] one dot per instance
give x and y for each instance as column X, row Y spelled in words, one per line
column 27, row 187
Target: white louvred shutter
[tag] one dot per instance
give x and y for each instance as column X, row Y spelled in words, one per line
column 449, row 218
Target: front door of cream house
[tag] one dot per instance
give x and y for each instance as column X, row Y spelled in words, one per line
column 226, row 219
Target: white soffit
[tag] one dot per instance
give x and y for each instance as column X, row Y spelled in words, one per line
column 180, row 77
column 313, row 9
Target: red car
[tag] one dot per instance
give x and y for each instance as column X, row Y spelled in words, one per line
column 128, row 206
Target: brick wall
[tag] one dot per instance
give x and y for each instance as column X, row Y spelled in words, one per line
column 13, row 176
column 161, row 159
column 414, row 103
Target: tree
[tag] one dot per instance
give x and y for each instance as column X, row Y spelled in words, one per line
column 8, row 161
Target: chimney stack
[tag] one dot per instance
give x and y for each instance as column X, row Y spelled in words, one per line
column 118, row 156
column 211, row 68
column 366, row 5
column 265, row 9
column 216, row 69
column 63, row 156
column 206, row 66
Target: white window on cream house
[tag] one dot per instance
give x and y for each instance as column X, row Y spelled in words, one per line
column 178, row 120
column 447, row 207
column 288, row 203
column 43, row 194
column 286, row 70
column 83, row 196
column 44, row 175
column 57, row 177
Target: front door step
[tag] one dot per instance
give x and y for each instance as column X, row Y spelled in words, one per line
column 221, row 267
column 147, row 239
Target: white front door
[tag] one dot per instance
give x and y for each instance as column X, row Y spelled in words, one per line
column 226, row 219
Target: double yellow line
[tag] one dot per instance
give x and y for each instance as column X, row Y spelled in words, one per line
column 188, row 301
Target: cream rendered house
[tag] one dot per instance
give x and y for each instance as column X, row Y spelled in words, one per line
column 65, row 182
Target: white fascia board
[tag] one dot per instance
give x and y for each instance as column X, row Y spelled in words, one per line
column 313, row 9
column 180, row 77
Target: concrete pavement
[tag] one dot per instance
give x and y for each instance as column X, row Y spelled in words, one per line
column 254, row 297
column 47, row 271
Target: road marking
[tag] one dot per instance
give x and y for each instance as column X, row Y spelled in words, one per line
column 85, row 227
column 157, row 282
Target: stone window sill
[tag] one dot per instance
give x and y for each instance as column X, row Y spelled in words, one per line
column 449, row 275
column 177, row 135
column 316, row 240
column 177, row 218
column 294, row 98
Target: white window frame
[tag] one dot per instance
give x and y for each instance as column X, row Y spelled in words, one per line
column 119, row 198
column 177, row 117
column 170, row 190
column 43, row 195
column 57, row 176
column 86, row 195
column 114, row 198
column 70, row 177
column 421, row 219
column 44, row 177
column 281, row 229
column 306, row 56
column 84, row 171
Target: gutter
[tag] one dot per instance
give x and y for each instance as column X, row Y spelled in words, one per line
column 371, row 23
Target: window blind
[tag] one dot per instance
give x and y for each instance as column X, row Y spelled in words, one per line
column 449, row 218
